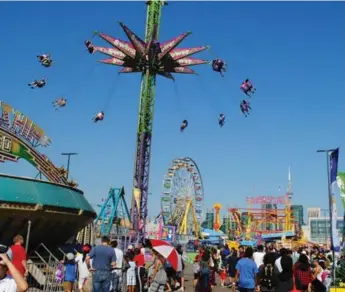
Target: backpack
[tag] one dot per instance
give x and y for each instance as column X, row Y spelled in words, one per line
column 267, row 277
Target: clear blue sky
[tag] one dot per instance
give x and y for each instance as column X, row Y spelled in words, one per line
column 294, row 52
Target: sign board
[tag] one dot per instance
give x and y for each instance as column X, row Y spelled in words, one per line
column 20, row 125
column 280, row 200
column 19, row 137
column 168, row 233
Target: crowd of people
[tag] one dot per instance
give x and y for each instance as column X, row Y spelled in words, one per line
column 113, row 269
column 265, row 269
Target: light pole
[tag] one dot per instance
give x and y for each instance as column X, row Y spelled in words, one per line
column 328, row 151
column 69, row 154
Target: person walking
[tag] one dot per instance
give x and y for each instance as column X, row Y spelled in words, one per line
column 103, row 260
column 117, row 271
column 246, row 272
column 19, row 255
column 284, row 265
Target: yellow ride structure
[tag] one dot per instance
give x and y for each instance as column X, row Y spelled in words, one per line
column 217, row 223
column 263, row 220
column 184, row 218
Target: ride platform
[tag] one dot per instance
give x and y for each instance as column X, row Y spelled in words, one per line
column 56, row 212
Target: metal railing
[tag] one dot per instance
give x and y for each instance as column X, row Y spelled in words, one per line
column 42, row 277
column 42, row 267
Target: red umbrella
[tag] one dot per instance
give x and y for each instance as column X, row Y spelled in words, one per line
column 166, row 250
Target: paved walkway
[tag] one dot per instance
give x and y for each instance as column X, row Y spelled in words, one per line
column 189, row 277
column 188, row 282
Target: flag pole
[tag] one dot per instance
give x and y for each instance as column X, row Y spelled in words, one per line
column 330, row 199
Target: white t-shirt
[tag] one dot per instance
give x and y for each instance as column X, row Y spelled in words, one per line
column 119, row 257
column 8, row 285
column 278, row 264
column 258, row 258
column 82, row 267
column 179, row 263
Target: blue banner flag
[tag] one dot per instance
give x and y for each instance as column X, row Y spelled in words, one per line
column 333, row 165
column 333, row 170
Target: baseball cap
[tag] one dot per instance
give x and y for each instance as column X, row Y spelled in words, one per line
column 7, row 250
column 70, row 256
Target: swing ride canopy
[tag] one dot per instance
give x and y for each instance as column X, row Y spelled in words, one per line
column 134, row 56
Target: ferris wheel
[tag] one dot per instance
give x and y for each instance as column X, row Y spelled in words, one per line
column 181, row 183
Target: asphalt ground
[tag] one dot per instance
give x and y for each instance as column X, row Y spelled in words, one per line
column 189, row 277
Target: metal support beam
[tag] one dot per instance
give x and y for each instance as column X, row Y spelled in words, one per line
column 144, row 133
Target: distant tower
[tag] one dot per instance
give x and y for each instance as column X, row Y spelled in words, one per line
column 289, row 188
column 288, row 226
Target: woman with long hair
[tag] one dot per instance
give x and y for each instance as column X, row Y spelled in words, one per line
column 302, row 273
column 204, row 283
column 83, row 271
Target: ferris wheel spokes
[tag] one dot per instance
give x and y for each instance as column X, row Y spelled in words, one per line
column 182, row 192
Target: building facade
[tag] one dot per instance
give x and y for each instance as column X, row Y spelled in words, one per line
column 209, row 220
column 297, row 213
column 319, row 228
column 313, row 212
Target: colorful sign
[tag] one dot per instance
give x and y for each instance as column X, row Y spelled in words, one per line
column 18, row 138
column 11, row 149
column 281, row 200
column 20, row 125
column 168, row 233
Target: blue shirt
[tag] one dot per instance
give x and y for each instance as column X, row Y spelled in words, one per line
column 225, row 253
column 248, row 270
column 102, row 256
column 70, row 272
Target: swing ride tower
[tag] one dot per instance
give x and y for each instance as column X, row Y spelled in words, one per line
column 149, row 58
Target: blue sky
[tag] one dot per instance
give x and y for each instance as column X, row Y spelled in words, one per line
column 293, row 51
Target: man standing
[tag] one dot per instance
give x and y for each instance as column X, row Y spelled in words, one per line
column 19, row 255
column 117, row 271
column 284, row 267
column 103, row 260
column 258, row 256
column 246, row 272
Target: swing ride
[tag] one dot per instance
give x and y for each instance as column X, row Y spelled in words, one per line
column 149, row 58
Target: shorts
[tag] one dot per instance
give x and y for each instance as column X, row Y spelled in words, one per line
column 81, row 282
column 231, row 273
column 180, row 274
column 196, row 276
column 68, row 285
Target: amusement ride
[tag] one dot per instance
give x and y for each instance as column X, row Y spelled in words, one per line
column 150, row 58
column 182, row 198
column 183, row 194
column 114, row 217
